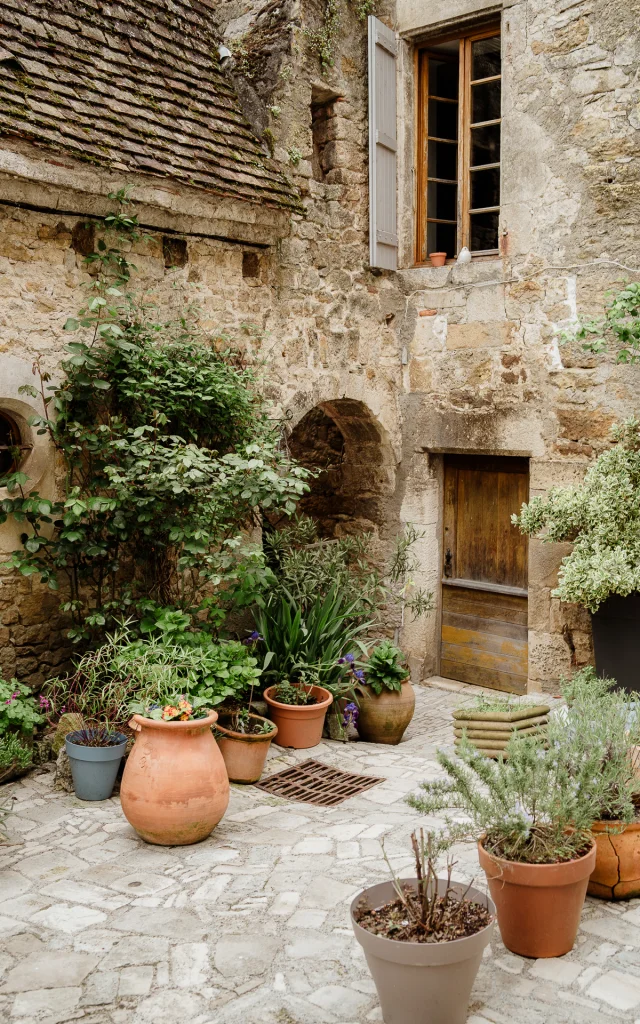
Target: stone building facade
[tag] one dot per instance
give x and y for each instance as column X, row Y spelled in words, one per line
column 381, row 375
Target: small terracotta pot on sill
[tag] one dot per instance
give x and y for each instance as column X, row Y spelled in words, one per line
column 438, row 259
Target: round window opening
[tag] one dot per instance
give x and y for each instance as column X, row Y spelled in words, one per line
column 12, row 451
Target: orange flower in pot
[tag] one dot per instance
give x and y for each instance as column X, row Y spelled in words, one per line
column 531, row 818
column 175, row 787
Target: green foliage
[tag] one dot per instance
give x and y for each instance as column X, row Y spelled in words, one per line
column 536, row 806
column 13, row 753
column 385, row 668
column 323, row 41
column 310, row 640
column 618, row 329
column 307, row 567
column 169, row 458
column 585, row 683
column 602, row 518
column 18, row 708
column 292, row 693
column 124, row 668
column 489, row 702
column 599, row 728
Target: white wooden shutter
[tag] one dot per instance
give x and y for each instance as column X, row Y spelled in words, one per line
column 383, row 231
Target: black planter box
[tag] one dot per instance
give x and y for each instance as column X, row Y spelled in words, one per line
column 616, row 640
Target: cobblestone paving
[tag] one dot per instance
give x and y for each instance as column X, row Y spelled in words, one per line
column 252, row 925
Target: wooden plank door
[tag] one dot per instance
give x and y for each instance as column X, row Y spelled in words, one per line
column 484, row 577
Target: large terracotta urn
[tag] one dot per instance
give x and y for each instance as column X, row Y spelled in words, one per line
column 384, row 717
column 175, row 787
column 616, row 875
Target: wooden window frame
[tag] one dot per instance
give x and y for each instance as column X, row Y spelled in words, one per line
column 463, row 221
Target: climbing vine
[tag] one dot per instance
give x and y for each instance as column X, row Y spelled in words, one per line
column 168, row 453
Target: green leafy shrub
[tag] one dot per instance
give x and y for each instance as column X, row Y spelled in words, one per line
column 169, row 458
column 601, row 727
column 536, row 806
column 126, row 668
column 13, row 754
column 307, row 567
column 18, row 708
column 385, row 668
column 309, row 641
column 602, row 519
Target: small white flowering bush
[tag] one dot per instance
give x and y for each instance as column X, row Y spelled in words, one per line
column 602, row 518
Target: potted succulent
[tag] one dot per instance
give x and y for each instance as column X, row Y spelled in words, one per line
column 605, row 727
column 602, row 519
column 244, row 740
column 531, row 815
column 95, row 755
column 298, row 710
column 386, row 697
column 175, row 787
column 423, row 939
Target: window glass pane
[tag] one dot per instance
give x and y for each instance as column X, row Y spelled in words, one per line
column 485, row 145
column 443, row 78
column 485, row 101
column 442, row 238
column 443, row 119
column 485, row 188
column 442, row 160
column 485, row 58
column 9, row 437
column 484, row 231
column 442, row 201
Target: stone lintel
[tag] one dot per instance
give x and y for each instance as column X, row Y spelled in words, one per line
column 30, row 178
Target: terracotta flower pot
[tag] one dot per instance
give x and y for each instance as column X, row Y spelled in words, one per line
column 299, row 725
column 384, row 717
column 438, row 259
column 175, row 787
column 616, row 875
column 244, row 754
column 422, row 982
column 538, row 905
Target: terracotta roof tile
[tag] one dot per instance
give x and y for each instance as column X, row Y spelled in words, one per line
column 133, row 84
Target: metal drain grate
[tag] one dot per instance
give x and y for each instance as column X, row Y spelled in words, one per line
column 317, row 783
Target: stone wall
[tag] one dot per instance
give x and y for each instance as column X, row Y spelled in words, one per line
column 450, row 359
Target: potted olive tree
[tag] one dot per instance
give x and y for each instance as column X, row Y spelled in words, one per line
column 602, row 519
column 531, row 815
column 423, row 939
column 385, row 695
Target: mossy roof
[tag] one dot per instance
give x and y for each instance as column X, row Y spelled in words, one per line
column 132, row 85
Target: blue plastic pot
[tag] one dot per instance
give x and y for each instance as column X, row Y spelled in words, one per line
column 94, row 769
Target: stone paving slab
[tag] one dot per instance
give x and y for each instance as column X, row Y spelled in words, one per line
column 252, row 925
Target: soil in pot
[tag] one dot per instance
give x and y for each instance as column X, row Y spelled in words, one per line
column 538, row 905
column 421, row 982
column 384, row 717
column 616, row 875
column 616, row 639
column 244, row 753
column 299, row 725
column 175, row 787
column 94, row 761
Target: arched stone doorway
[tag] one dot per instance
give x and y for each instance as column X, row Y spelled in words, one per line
column 354, row 491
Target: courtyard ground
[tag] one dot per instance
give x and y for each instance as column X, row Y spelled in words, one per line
column 252, row 925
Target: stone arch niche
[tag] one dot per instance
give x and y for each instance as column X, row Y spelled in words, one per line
column 354, row 491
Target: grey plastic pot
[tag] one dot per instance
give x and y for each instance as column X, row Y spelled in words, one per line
column 94, row 769
column 418, row 982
